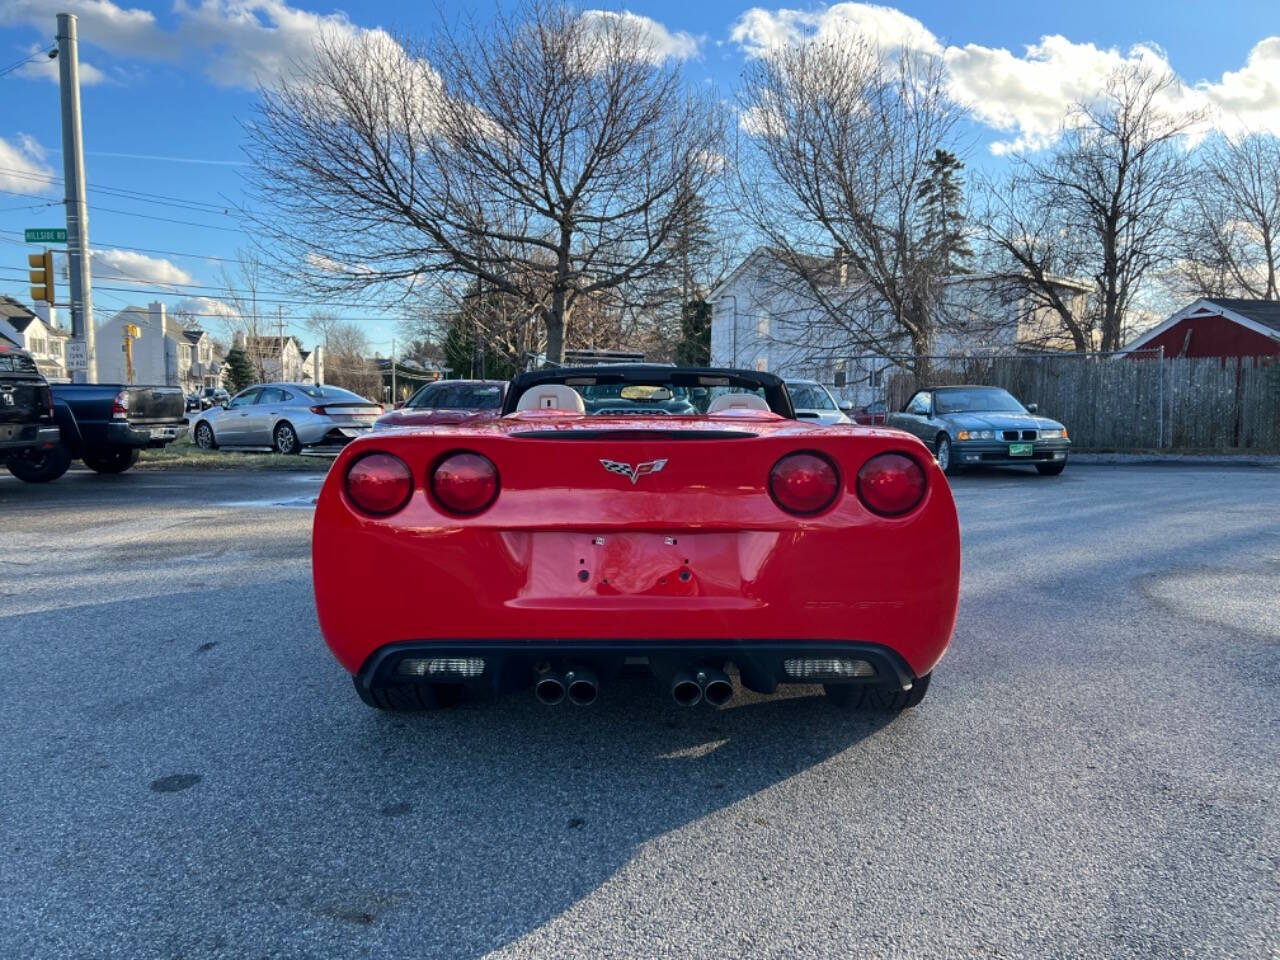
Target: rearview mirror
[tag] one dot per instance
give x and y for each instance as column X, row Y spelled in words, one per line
column 1032, row 407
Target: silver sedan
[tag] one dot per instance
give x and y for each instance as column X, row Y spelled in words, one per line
column 286, row 417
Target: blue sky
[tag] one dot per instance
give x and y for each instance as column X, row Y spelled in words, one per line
column 175, row 80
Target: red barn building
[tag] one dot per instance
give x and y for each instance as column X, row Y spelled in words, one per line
column 1218, row 328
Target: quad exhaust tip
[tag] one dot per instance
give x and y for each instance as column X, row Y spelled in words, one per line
column 582, row 687
column 686, row 690
column 550, row 689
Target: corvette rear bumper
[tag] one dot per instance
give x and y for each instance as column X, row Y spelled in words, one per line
column 506, row 665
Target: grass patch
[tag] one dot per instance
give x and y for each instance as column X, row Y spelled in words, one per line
column 184, row 455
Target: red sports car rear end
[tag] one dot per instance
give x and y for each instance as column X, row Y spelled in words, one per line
column 554, row 549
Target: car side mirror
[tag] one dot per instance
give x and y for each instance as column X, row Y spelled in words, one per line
column 1032, row 407
column 846, row 406
column 399, row 404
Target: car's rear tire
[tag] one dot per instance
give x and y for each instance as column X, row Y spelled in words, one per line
column 40, row 466
column 876, row 699
column 204, row 437
column 411, row 697
column 113, row 460
column 942, row 453
column 285, row 439
column 1051, row 469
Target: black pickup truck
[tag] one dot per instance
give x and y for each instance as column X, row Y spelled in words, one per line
column 27, row 428
column 104, row 424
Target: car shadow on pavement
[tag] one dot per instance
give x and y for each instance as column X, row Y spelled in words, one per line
column 482, row 823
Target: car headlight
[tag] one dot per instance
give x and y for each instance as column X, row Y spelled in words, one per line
column 974, row 435
column 1052, row 434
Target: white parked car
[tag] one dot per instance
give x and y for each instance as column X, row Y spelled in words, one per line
column 286, row 417
column 813, row 401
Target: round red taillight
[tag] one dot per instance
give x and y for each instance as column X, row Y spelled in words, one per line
column 379, row 483
column 804, row 483
column 891, row 484
column 465, row 482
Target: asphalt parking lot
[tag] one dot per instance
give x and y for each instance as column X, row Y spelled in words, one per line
column 1095, row 772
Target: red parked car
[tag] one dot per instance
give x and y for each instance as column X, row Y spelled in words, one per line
column 873, row 414
column 447, row 401
column 605, row 522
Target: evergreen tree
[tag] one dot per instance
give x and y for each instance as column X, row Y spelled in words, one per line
column 694, row 347
column 240, row 371
column 463, row 358
column 942, row 212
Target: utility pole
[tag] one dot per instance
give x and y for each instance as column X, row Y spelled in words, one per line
column 77, row 208
column 280, row 321
column 395, row 397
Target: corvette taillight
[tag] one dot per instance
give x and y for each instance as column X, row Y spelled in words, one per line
column 379, row 483
column 465, row 482
column 804, row 483
column 891, row 484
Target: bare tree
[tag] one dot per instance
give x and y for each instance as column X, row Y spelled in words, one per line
column 1232, row 235
column 1101, row 206
column 837, row 146
column 246, row 324
column 346, row 355
column 543, row 153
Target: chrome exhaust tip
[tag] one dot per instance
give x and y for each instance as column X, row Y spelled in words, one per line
column 549, row 689
column 686, row 690
column 582, row 686
column 717, row 688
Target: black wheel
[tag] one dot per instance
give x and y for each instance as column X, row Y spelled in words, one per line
column 286, row 438
column 112, row 460
column 411, row 697
column 204, row 436
column 943, row 455
column 874, row 699
column 40, row 466
column 1051, row 469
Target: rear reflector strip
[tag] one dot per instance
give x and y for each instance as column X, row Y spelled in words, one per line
column 828, row 669
column 465, row 667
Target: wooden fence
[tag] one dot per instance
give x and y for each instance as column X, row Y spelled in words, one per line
column 1135, row 402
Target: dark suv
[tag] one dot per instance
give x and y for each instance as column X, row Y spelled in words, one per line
column 27, row 430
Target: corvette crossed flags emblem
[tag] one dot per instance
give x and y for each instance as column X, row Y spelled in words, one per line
column 636, row 472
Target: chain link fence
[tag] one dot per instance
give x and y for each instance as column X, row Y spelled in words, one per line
column 1109, row 402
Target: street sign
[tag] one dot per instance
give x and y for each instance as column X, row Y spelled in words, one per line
column 77, row 355
column 45, row 234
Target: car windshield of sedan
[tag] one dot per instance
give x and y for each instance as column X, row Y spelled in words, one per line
column 471, row 396
column 986, row 400
column 808, row 396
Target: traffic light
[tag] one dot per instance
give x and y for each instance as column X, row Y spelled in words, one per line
column 41, row 276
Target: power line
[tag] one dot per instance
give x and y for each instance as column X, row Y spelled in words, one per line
column 126, row 193
column 5, row 71
column 147, row 216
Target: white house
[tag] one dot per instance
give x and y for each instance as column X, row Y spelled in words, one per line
column 165, row 353
column 38, row 333
column 281, row 359
column 764, row 318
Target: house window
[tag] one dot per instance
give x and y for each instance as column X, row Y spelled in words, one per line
column 877, row 377
column 762, row 326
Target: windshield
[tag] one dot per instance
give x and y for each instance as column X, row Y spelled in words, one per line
column 809, row 396
column 979, row 400
column 463, row 396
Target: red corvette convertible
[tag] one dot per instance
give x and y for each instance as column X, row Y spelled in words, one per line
column 674, row 520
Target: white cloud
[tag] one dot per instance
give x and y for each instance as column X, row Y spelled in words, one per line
column 22, row 166
column 248, row 42
column 206, row 310
column 99, row 22
column 1026, row 95
column 662, row 43
column 128, row 265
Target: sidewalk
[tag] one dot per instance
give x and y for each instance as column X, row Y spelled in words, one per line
column 1179, row 459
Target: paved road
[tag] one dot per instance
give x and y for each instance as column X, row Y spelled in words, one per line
column 186, row 773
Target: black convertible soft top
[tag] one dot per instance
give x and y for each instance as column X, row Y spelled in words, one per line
column 771, row 385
